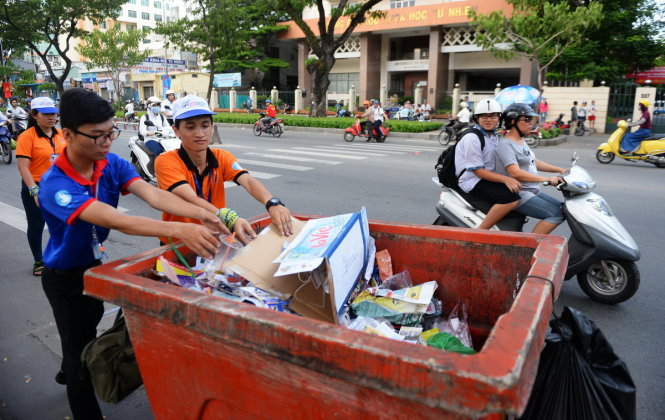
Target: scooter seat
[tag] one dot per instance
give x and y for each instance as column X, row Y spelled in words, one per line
column 512, row 222
column 655, row 137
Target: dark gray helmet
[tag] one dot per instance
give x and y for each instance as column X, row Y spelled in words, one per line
column 514, row 111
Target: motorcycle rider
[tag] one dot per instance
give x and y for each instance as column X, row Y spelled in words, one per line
column 631, row 141
column 477, row 164
column 129, row 110
column 514, row 158
column 150, row 134
column 378, row 115
column 168, row 106
column 16, row 116
column 271, row 114
column 463, row 118
column 368, row 115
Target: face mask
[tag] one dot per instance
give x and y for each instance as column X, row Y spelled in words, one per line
column 156, row 110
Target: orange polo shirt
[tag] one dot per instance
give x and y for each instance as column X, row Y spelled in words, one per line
column 42, row 151
column 175, row 168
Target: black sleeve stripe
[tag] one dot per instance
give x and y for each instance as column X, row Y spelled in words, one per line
column 235, row 178
column 177, row 184
column 24, row 157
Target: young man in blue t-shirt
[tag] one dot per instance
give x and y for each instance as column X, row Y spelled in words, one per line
column 78, row 197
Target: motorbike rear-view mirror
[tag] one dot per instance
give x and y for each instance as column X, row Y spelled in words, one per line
column 574, row 159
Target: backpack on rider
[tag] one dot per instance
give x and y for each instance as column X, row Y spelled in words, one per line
column 445, row 165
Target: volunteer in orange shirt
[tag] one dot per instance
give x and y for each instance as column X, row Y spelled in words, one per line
column 197, row 173
column 36, row 150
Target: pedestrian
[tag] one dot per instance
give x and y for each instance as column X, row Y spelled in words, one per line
column 426, row 109
column 543, row 107
column 79, row 196
column 581, row 114
column 573, row 114
column 36, row 150
column 591, row 110
column 196, row 173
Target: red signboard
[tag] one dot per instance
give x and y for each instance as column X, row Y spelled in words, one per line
column 656, row 75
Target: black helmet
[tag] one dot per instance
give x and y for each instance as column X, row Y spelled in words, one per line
column 514, row 111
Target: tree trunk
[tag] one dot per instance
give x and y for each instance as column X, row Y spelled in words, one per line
column 320, row 69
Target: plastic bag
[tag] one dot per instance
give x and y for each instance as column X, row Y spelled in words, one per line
column 579, row 375
column 448, row 342
column 457, row 324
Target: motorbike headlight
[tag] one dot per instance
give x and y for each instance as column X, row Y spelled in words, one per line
column 601, row 206
column 581, row 185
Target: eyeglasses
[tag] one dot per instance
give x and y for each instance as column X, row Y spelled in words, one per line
column 489, row 116
column 102, row 138
column 526, row 119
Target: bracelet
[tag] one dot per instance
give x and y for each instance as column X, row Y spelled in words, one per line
column 227, row 216
column 33, row 191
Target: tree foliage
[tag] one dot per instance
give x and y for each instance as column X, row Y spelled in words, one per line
column 113, row 50
column 629, row 38
column 539, row 30
column 49, row 26
column 228, row 34
column 326, row 42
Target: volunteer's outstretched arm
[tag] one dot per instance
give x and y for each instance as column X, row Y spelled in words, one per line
column 199, row 239
column 281, row 216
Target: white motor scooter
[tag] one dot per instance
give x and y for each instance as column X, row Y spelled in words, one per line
column 601, row 252
column 143, row 159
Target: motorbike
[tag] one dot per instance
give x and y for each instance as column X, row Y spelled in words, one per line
column 448, row 133
column 5, row 145
column 565, row 128
column 602, row 253
column 356, row 130
column 17, row 126
column 143, row 159
column 274, row 128
column 652, row 149
column 532, row 139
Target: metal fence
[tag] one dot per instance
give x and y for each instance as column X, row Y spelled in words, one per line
column 621, row 104
column 285, row 96
column 658, row 117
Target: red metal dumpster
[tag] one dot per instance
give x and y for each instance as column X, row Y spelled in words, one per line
column 204, row 357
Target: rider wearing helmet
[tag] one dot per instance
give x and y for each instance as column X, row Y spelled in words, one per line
column 271, row 113
column 514, row 158
column 129, row 110
column 631, row 141
column 477, row 165
column 463, row 117
column 168, row 106
column 16, row 116
column 150, row 133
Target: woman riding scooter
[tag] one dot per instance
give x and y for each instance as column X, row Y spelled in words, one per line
column 151, row 133
column 631, row 141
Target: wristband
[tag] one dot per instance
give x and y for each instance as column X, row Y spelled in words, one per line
column 227, row 216
column 33, row 191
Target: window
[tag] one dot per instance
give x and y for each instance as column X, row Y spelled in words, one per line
column 396, row 4
column 145, row 16
column 157, row 4
column 341, row 82
column 158, row 18
column 145, row 2
column 132, row 2
column 102, row 24
column 130, row 27
column 131, row 13
column 146, row 40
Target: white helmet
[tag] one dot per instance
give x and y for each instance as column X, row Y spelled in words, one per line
column 170, row 92
column 487, row 106
column 154, row 100
column 463, row 105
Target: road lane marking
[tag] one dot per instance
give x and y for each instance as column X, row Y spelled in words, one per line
column 361, row 149
column 302, row 152
column 294, row 158
column 332, row 149
column 275, row 165
column 13, row 216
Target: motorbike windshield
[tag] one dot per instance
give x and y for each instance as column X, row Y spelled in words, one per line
column 578, row 180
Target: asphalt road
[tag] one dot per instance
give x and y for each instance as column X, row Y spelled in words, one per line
column 321, row 174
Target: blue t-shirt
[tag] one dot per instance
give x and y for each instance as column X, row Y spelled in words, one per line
column 64, row 194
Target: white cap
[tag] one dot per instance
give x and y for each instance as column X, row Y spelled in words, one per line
column 44, row 105
column 190, row 106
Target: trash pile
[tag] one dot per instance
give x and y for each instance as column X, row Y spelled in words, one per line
column 329, row 271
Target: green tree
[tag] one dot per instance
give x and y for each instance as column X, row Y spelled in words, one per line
column 629, row 38
column 113, row 50
column 54, row 23
column 228, row 34
column 325, row 43
column 539, row 30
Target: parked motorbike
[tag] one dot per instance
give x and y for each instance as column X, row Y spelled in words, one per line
column 143, row 159
column 565, row 128
column 602, row 253
column 652, row 150
column 274, row 128
column 532, row 139
column 356, row 131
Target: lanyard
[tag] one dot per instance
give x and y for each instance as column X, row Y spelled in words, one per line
column 199, row 188
column 50, row 140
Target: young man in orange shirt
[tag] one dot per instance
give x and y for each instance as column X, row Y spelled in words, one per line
column 196, row 173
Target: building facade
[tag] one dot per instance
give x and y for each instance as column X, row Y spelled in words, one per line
column 426, row 43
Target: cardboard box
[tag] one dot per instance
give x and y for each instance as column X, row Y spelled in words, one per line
column 316, row 268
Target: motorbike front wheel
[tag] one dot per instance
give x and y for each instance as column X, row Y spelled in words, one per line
column 532, row 141
column 579, row 131
column 349, row 137
column 440, row 221
column 6, row 149
column 277, row 130
column 382, row 139
column 444, row 138
column 604, row 157
column 257, row 130
column 615, row 285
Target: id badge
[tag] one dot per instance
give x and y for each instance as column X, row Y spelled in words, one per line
column 54, row 156
column 98, row 250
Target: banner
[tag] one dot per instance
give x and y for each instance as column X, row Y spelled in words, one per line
column 7, row 89
column 166, row 84
column 159, row 65
column 227, row 80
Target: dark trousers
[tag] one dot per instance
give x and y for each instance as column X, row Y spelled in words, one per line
column 76, row 317
column 366, row 127
column 155, row 147
column 377, row 125
column 35, row 222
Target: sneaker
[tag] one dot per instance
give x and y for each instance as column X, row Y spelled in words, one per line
column 60, row 377
column 37, row 268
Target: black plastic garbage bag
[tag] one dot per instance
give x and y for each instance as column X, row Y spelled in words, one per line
column 579, row 376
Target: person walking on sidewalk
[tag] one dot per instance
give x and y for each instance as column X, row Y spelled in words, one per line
column 36, row 150
column 78, row 196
